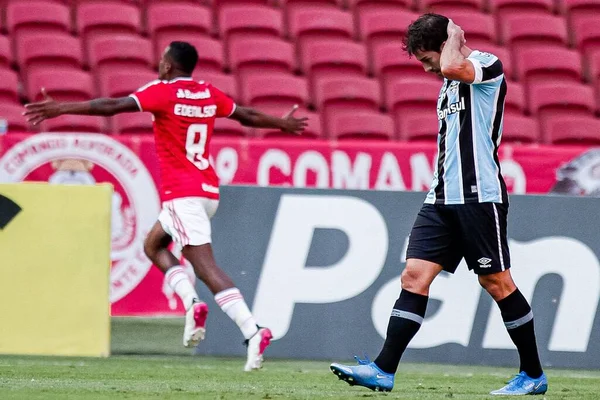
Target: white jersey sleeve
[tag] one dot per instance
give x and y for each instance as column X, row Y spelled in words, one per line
column 488, row 67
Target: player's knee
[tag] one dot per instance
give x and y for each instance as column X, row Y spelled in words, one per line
column 414, row 281
column 150, row 248
column 497, row 285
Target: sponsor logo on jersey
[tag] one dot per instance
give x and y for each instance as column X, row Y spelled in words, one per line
column 87, row 159
column 452, row 109
column 188, row 94
column 184, row 110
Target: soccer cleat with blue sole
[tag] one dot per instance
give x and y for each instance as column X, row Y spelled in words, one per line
column 522, row 385
column 366, row 374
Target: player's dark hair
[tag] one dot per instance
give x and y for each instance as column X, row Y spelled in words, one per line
column 184, row 55
column 427, row 33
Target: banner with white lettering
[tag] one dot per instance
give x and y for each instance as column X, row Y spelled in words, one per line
column 322, row 269
column 129, row 163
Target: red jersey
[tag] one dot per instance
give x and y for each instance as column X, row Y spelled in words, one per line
column 184, row 113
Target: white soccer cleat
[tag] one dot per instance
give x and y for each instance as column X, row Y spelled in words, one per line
column 195, row 324
column 257, row 345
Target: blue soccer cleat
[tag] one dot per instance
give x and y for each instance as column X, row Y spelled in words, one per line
column 522, row 385
column 366, row 374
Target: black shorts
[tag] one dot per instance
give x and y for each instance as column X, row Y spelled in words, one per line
column 445, row 234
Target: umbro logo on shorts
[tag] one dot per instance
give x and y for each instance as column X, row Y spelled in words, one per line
column 484, row 262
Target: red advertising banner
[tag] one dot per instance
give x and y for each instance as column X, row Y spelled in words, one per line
column 129, row 163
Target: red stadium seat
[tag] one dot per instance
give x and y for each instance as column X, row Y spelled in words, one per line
column 515, row 98
column 125, row 52
column 408, row 95
column 576, row 130
column 313, row 130
column 379, row 25
column 519, row 129
column 477, row 26
column 333, row 57
column 506, row 8
column 593, row 66
column 247, row 55
column 579, row 8
column 312, row 23
column 446, row 6
column 74, row 123
column 562, row 96
column 99, row 19
column 61, row 84
column 33, row 17
column 552, row 101
column 419, row 127
column 49, row 51
column 168, row 22
column 123, row 83
column 5, row 52
column 132, row 123
column 586, row 32
column 8, row 87
column 251, row 19
column 361, row 125
column 218, row 4
column 223, row 82
column 230, row 127
column 334, row 54
column 210, row 51
column 358, row 6
column 554, row 64
column 532, row 31
column 338, row 93
column 409, row 100
column 261, row 90
column 13, row 113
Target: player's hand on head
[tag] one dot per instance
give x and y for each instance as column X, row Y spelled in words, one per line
column 294, row 125
column 45, row 109
column 455, row 30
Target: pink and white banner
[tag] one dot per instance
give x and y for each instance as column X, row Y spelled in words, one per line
column 129, row 163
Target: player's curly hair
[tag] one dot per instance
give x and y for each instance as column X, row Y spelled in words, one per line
column 427, row 33
column 184, row 55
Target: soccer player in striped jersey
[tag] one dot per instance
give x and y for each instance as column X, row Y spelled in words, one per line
column 184, row 113
column 465, row 211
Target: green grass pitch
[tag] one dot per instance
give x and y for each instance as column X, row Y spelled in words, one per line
column 180, row 376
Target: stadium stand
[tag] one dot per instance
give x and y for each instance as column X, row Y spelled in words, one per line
column 326, row 55
column 136, row 123
column 361, row 125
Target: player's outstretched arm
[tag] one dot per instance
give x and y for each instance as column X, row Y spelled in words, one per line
column 288, row 123
column 453, row 64
column 49, row 108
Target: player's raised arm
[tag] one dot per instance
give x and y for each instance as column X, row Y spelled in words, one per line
column 49, row 108
column 248, row 116
column 453, row 64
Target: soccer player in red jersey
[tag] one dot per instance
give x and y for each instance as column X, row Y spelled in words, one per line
column 184, row 113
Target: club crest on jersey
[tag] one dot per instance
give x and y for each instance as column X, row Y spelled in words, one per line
column 452, row 109
column 188, row 94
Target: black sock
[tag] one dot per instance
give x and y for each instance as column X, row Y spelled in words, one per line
column 407, row 317
column 518, row 318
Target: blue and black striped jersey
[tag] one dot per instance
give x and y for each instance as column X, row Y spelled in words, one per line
column 470, row 120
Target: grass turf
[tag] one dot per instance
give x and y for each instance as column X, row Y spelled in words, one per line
column 169, row 372
column 186, row 377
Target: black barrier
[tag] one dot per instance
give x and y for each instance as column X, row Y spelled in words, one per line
column 321, row 269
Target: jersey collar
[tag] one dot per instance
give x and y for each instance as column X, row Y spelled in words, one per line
column 183, row 78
